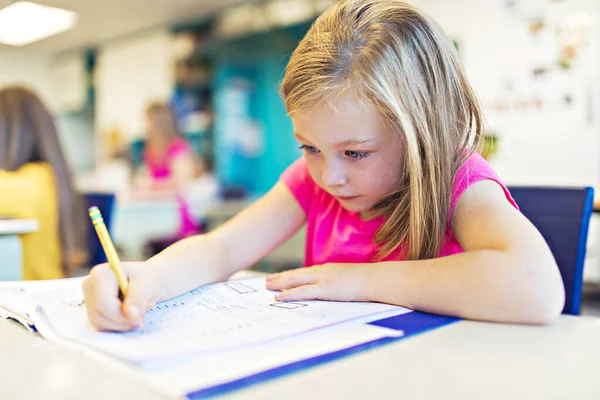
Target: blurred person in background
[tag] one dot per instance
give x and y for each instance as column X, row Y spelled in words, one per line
column 169, row 160
column 171, row 168
column 36, row 183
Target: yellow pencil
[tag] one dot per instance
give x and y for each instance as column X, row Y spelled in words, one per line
column 109, row 249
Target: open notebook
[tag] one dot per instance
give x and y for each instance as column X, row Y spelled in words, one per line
column 208, row 320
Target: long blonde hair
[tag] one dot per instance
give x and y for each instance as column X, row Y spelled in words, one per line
column 28, row 134
column 391, row 54
column 163, row 119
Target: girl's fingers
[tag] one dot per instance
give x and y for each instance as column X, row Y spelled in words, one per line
column 102, row 323
column 108, row 304
column 101, row 298
column 111, row 309
column 307, row 292
column 140, row 298
column 291, row 279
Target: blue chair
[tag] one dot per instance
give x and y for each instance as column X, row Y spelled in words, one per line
column 105, row 203
column 562, row 215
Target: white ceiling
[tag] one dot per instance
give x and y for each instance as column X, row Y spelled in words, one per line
column 102, row 20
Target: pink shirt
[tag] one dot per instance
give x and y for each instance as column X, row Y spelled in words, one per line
column 334, row 234
column 160, row 168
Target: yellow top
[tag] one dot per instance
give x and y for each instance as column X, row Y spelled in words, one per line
column 31, row 192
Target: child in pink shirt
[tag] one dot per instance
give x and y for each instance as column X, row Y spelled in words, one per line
column 399, row 207
column 170, row 163
column 343, row 236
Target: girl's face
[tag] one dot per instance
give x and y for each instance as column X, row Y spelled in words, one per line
column 350, row 153
column 151, row 128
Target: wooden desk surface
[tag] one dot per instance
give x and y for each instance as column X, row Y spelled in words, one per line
column 466, row 360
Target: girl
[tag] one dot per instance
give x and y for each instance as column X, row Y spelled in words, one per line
column 168, row 157
column 35, row 182
column 399, row 208
column 170, row 165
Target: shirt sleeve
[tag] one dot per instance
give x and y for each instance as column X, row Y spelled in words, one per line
column 298, row 180
column 473, row 170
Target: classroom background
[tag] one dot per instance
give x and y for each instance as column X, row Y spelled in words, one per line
column 217, row 63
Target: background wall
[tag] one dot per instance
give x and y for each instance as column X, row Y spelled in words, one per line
column 19, row 67
column 39, row 72
column 130, row 73
column 555, row 143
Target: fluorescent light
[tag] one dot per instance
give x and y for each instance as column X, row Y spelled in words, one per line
column 25, row 22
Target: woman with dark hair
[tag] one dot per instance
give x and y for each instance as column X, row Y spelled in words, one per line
column 36, row 182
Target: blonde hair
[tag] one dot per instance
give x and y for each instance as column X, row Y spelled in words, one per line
column 391, row 54
column 163, row 118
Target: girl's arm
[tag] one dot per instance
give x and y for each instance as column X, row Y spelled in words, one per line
column 245, row 239
column 192, row 262
column 507, row 272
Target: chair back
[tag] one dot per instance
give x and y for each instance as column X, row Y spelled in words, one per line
column 562, row 216
column 105, row 203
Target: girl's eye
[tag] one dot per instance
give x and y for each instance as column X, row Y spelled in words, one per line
column 309, row 149
column 357, row 155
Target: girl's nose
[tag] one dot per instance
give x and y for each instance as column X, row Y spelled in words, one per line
column 333, row 175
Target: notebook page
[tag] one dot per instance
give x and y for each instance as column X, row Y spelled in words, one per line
column 208, row 370
column 209, row 319
column 19, row 299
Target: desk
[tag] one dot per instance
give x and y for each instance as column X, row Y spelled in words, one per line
column 138, row 220
column 9, row 226
column 10, row 246
column 466, row 360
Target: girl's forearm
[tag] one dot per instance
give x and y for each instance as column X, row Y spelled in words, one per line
column 486, row 285
column 192, row 262
column 233, row 246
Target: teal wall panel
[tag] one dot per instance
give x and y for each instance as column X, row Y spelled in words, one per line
column 260, row 61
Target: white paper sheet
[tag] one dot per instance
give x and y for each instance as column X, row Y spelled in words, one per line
column 213, row 318
column 19, row 299
column 214, row 369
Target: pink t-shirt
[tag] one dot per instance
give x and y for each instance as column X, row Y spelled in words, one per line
column 334, row 234
column 160, row 168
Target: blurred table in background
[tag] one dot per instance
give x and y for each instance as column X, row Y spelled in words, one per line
column 142, row 217
column 138, row 220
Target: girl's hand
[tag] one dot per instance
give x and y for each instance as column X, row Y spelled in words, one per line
column 339, row 282
column 104, row 309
